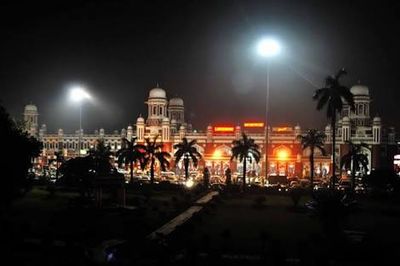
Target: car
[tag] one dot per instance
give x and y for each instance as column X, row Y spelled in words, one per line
column 294, row 184
column 304, row 183
column 344, row 185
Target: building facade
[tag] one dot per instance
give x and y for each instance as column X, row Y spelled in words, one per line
column 166, row 120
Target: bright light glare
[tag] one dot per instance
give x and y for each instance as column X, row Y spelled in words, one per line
column 282, row 155
column 189, row 183
column 217, row 154
column 78, row 94
column 268, row 47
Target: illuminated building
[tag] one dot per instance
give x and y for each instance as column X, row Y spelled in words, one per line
column 166, row 119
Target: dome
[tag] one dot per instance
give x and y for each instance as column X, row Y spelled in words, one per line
column 346, row 119
column 176, row 101
column 173, row 121
column 31, row 107
column 157, row 93
column 377, row 119
column 297, row 127
column 165, row 120
column 359, row 90
column 140, row 119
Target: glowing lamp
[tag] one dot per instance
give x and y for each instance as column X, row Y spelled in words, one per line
column 268, row 47
column 217, row 154
column 282, row 155
column 189, row 183
column 78, row 94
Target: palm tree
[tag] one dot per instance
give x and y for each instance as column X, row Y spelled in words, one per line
column 314, row 140
column 356, row 157
column 243, row 149
column 59, row 160
column 131, row 153
column 188, row 151
column 100, row 156
column 153, row 151
column 332, row 95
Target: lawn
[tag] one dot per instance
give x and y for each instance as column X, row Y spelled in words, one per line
column 236, row 226
column 39, row 215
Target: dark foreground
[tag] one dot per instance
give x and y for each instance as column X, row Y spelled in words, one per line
column 256, row 228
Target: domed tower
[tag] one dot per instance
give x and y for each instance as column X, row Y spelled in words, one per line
column 31, row 119
column 377, row 130
column 140, row 129
column 165, row 136
column 176, row 110
column 157, row 106
column 360, row 116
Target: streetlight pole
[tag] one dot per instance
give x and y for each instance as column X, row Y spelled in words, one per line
column 80, row 129
column 266, row 126
column 267, row 48
column 78, row 95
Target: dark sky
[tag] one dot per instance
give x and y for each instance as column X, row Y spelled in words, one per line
column 202, row 51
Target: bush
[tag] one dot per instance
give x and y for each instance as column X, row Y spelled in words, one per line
column 259, row 201
column 295, row 195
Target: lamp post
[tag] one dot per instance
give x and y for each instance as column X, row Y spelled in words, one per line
column 267, row 48
column 78, row 95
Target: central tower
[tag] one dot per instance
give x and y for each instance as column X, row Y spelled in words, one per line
column 157, row 109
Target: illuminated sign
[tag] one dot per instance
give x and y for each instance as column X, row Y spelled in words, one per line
column 282, row 129
column 224, row 129
column 254, row 124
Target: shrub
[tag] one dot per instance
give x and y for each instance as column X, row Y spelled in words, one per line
column 295, row 195
column 259, row 201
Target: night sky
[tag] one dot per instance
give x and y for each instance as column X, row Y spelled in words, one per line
column 202, row 52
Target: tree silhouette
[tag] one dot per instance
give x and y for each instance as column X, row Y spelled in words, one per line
column 332, row 96
column 243, row 149
column 20, row 150
column 188, row 151
column 131, row 153
column 153, row 151
column 314, row 140
column 355, row 157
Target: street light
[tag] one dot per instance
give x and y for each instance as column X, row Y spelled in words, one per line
column 78, row 95
column 267, row 48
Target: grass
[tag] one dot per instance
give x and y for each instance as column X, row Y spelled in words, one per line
column 37, row 215
column 236, row 226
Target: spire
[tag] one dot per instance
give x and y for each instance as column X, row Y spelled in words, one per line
column 157, row 86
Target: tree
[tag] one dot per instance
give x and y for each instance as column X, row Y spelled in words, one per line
column 228, row 177
column 357, row 158
column 188, row 151
column 79, row 172
column 100, row 156
column 131, row 153
column 332, row 96
column 20, row 150
column 314, row 140
column 153, row 151
column 245, row 149
column 206, row 177
column 82, row 172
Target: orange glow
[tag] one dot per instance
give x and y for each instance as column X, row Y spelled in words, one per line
column 224, row 129
column 283, row 129
column 282, row 155
column 254, row 124
column 217, row 154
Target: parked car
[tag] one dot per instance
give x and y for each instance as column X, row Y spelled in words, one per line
column 344, row 185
